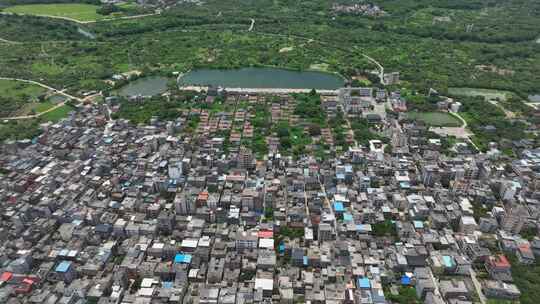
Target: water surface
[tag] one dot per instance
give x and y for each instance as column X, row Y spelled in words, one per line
column 146, row 86
column 534, row 98
column 57, row 98
column 263, row 78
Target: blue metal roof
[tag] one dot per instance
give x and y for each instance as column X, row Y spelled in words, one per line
column 364, row 283
column 448, row 261
column 405, row 280
column 363, row 227
column 405, row 185
column 63, row 266
column 338, row 206
column 182, row 258
column 103, row 228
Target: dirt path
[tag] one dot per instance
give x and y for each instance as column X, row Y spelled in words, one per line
column 458, row 132
column 60, row 92
column 463, row 121
column 371, row 59
column 86, row 22
column 508, row 113
column 9, row 41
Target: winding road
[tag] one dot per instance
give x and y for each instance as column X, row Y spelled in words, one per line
column 251, row 27
column 371, row 59
column 464, row 127
column 381, row 68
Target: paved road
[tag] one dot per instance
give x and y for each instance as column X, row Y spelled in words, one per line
column 252, row 24
column 458, row 132
column 477, row 286
column 381, row 68
column 534, row 105
column 345, row 116
column 464, row 127
column 463, row 121
column 263, row 90
column 323, row 188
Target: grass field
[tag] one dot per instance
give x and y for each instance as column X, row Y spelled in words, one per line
column 17, row 98
column 435, row 119
column 18, row 90
column 486, row 93
column 34, row 108
column 77, row 11
column 57, row 114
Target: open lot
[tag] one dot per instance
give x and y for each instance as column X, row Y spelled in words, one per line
column 435, row 119
column 76, row 11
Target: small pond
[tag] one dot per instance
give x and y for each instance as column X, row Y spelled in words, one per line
column 146, row 86
column 534, row 98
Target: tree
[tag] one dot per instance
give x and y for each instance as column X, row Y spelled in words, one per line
column 107, row 9
column 285, row 143
column 314, row 130
column 283, row 131
column 386, row 228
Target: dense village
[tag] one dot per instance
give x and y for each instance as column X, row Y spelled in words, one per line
column 98, row 209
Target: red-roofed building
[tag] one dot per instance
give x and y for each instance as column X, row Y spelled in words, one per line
column 6, row 276
column 25, row 286
column 265, row 234
column 498, row 263
column 202, row 198
column 498, row 266
column 525, row 254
